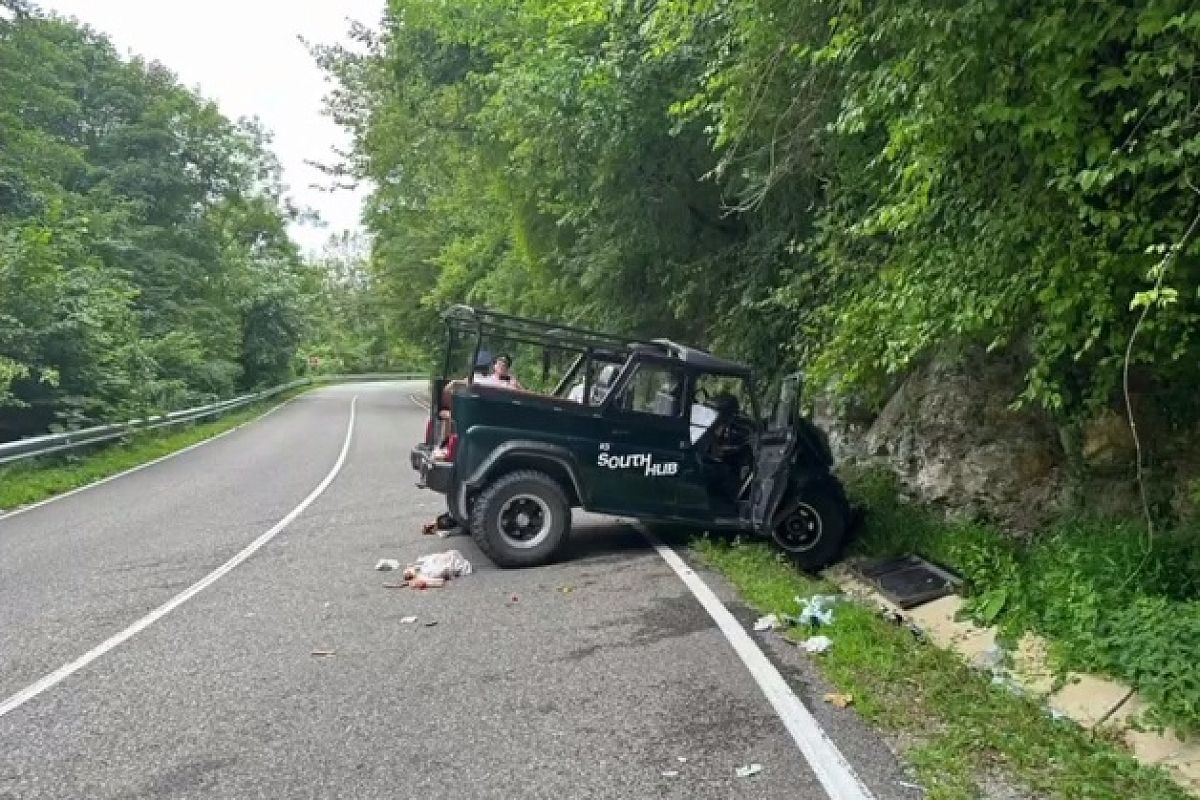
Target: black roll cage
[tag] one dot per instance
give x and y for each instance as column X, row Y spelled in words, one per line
column 590, row 345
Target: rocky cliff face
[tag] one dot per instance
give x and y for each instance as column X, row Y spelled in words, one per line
column 952, row 438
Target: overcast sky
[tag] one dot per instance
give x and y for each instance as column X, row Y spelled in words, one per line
column 245, row 54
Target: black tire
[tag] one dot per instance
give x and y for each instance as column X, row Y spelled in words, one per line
column 521, row 519
column 816, row 528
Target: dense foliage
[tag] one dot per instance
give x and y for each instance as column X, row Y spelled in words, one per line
column 144, row 256
column 840, row 184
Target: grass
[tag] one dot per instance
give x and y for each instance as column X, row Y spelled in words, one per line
column 962, row 726
column 37, row 480
column 1109, row 599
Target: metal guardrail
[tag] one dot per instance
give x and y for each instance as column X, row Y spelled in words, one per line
column 37, row 446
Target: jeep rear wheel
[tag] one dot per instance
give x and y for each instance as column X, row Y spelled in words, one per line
column 521, row 519
column 814, row 529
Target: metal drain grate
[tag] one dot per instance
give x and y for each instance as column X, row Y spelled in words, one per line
column 910, row 580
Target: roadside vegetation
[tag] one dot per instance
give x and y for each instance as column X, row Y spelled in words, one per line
column 145, row 262
column 33, row 481
column 841, row 185
column 1111, row 599
column 955, row 728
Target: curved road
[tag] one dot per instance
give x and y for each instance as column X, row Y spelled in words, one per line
column 590, row 678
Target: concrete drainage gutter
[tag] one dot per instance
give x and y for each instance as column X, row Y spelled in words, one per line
column 1090, row 701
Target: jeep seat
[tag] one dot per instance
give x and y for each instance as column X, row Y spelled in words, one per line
column 604, row 382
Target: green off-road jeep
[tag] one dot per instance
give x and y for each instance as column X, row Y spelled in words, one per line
column 652, row 430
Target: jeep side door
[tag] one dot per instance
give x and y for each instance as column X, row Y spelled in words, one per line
column 776, row 455
column 639, row 459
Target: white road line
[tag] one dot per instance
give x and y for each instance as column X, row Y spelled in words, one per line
column 418, row 403
column 140, row 467
column 65, row 671
column 827, row 762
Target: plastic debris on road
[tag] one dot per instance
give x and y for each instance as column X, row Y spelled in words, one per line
column 323, row 653
column 817, row 644
column 449, row 564
column 839, row 700
column 768, row 623
column 748, row 770
column 817, row 610
column 407, row 620
column 670, row 773
column 387, row 565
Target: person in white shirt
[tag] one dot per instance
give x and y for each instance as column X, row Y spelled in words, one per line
column 501, row 375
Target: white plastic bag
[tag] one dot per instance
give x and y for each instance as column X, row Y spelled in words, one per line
column 449, row 564
column 817, row 644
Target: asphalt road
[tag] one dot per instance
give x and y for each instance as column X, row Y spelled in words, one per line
column 590, row 678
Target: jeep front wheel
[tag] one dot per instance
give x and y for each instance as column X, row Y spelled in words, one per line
column 521, row 520
column 815, row 528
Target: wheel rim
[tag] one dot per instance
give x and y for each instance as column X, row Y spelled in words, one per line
column 524, row 521
column 800, row 531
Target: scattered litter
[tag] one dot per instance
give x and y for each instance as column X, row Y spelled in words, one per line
column 566, row 589
column 431, row 623
column 817, row 644
column 917, row 631
column 915, row 787
column 513, row 599
column 816, row 610
column 839, row 700
column 324, row 652
column 328, row 604
column 449, row 564
column 670, row 773
column 768, row 623
column 429, row 572
column 407, row 620
column 747, row 771
column 681, row 759
column 428, row 528
column 1056, row 714
column 427, row 583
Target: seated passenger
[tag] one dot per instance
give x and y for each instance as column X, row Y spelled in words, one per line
column 501, row 375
